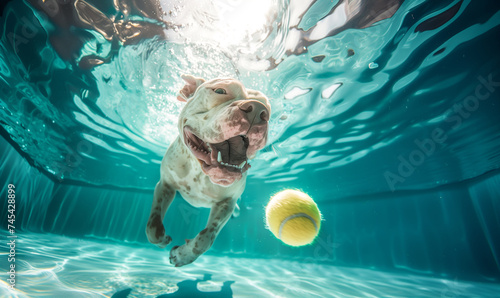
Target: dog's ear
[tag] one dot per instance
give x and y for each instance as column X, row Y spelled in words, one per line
column 192, row 83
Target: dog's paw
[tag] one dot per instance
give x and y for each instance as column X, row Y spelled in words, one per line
column 182, row 255
column 156, row 234
column 164, row 241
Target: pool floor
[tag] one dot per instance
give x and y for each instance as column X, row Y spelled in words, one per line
column 50, row 265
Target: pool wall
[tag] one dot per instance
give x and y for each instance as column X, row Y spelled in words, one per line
column 450, row 231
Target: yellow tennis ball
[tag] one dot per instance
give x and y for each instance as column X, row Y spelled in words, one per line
column 293, row 217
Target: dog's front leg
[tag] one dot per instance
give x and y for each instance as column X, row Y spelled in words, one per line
column 163, row 196
column 219, row 215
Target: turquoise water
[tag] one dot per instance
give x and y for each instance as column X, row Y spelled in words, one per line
column 385, row 112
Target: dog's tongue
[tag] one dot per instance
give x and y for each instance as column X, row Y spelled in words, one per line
column 233, row 150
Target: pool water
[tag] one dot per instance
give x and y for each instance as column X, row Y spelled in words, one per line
column 384, row 112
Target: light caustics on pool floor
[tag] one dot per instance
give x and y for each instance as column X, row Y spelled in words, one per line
column 56, row 266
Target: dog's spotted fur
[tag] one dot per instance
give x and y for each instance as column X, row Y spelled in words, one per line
column 220, row 116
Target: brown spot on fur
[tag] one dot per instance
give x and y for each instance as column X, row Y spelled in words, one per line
column 156, row 222
column 197, row 251
column 185, row 185
column 204, row 231
column 167, row 191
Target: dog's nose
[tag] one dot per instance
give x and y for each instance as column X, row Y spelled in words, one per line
column 255, row 111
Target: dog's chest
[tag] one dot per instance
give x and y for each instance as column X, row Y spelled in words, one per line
column 193, row 189
column 197, row 189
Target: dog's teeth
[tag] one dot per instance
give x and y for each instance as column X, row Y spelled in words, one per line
column 219, row 157
column 242, row 164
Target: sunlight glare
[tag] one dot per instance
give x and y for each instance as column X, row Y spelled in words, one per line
column 242, row 22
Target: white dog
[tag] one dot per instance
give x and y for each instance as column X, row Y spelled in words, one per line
column 222, row 126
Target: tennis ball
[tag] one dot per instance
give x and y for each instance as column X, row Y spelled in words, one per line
column 293, row 217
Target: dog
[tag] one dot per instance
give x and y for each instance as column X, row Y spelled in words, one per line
column 222, row 126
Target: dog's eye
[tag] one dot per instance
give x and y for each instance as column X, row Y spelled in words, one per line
column 220, row 91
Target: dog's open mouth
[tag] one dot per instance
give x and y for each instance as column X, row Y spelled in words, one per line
column 229, row 155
